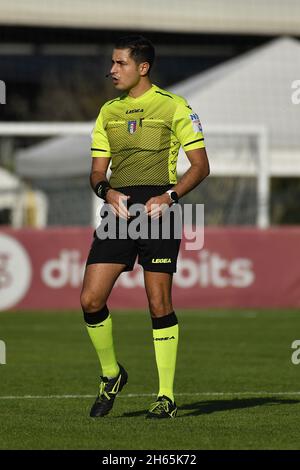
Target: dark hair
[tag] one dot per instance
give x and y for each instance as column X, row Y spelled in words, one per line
column 141, row 49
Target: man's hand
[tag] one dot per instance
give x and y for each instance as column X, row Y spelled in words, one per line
column 117, row 202
column 156, row 206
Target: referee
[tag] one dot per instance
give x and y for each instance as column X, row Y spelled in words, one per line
column 140, row 134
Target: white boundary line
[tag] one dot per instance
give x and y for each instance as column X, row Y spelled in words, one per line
column 140, row 395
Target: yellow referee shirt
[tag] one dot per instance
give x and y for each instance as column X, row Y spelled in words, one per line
column 142, row 136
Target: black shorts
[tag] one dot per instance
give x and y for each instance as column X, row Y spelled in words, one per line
column 156, row 254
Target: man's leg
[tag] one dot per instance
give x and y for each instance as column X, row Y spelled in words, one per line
column 97, row 284
column 165, row 330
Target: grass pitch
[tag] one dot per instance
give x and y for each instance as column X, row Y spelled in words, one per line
column 236, row 386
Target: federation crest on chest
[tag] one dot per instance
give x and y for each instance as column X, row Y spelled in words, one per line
column 132, row 127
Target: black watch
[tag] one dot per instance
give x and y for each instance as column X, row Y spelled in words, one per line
column 101, row 189
column 173, row 196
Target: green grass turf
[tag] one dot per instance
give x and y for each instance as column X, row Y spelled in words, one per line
column 233, row 352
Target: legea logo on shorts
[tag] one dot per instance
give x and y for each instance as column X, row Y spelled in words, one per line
column 15, row 272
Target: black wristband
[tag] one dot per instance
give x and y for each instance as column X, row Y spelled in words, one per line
column 101, row 189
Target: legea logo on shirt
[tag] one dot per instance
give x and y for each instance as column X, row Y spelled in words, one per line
column 196, row 122
column 131, row 111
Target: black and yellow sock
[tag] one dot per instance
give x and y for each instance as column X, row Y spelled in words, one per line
column 165, row 337
column 99, row 327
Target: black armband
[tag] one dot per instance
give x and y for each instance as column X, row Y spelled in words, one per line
column 101, row 189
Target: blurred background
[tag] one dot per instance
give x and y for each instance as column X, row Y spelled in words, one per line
column 237, row 62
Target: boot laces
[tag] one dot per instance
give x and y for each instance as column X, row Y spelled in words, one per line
column 160, row 405
column 102, row 392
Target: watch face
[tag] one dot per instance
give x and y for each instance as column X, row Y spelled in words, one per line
column 174, row 196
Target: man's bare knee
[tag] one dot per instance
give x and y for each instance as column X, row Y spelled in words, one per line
column 90, row 303
column 159, row 307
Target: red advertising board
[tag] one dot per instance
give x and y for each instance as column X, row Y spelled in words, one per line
column 236, row 267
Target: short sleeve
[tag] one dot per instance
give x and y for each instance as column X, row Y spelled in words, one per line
column 100, row 143
column 187, row 128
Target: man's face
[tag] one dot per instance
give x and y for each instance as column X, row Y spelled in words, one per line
column 125, row 72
